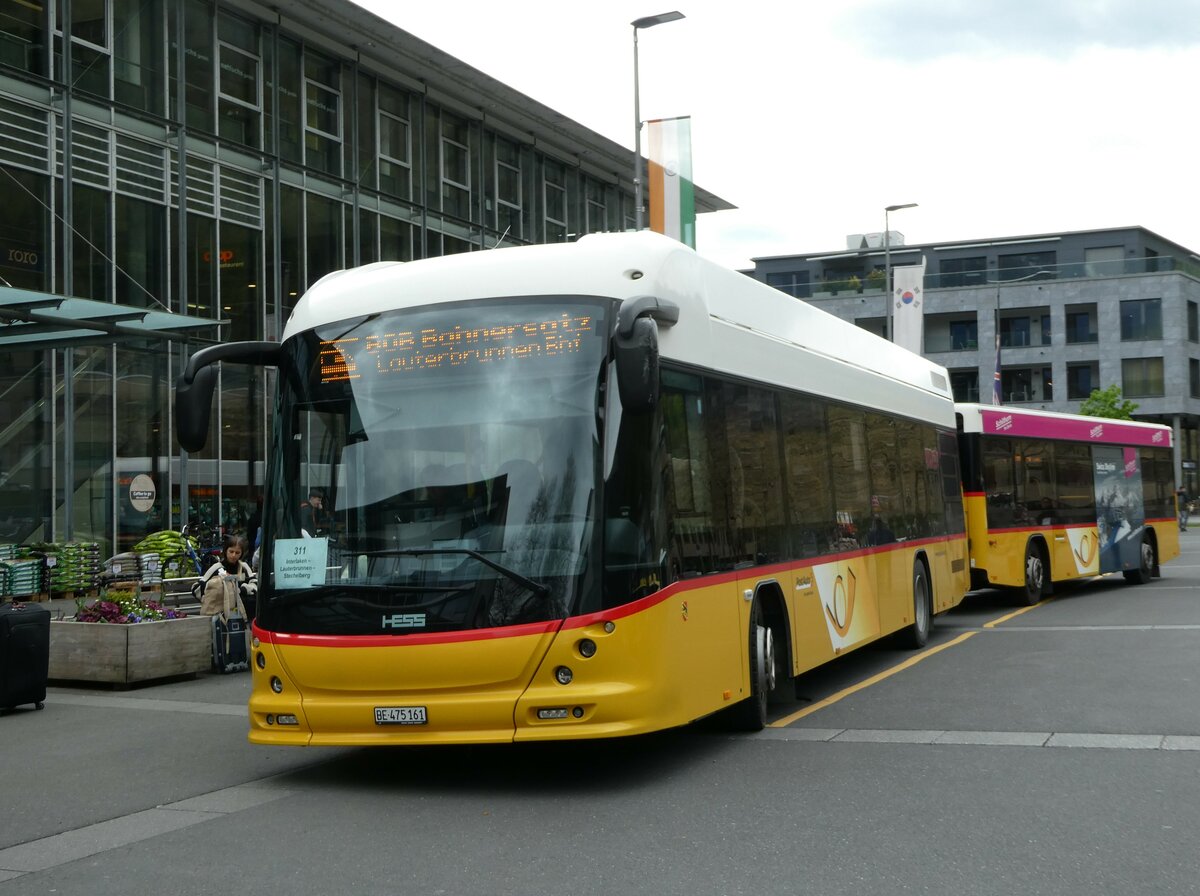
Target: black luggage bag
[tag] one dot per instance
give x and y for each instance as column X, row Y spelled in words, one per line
column 24, row 654
column 230, row 632
column 229, row 643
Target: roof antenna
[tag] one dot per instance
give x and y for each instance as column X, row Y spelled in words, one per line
column 502, row 236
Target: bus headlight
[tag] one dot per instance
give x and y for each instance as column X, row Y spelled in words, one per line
column 587, row 648
column 563, row 675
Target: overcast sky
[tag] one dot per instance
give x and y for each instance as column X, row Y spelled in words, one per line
column 999, row 117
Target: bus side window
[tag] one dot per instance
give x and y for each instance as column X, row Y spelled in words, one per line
column 692, row 538
column 806, row 458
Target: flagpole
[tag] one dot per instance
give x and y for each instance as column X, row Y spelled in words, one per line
column 645, row 22
column 887, row 267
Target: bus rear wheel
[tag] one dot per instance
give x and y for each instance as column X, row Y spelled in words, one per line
column 1035, row 575
column 917, row 635
column 1145, row 571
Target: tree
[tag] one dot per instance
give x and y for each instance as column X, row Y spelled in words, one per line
column 1108, row 403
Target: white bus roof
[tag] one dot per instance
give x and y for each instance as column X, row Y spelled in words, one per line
column 1028, row 422
column 728, row 322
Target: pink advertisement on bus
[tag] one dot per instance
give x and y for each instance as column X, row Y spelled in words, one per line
column 1082, row 429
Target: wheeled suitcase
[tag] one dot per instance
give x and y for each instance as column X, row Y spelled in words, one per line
column 24, row 654
column 230, row 633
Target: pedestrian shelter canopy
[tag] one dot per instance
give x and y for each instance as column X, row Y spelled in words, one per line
column 30, row 319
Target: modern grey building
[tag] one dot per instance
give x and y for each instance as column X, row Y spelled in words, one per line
column 178, row 173
column 1073, row 312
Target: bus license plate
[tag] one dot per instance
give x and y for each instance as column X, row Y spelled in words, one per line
column 400, row 715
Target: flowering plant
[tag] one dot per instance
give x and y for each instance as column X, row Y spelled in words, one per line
column 124, row 608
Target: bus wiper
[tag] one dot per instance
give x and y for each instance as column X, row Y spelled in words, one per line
column 537, row 588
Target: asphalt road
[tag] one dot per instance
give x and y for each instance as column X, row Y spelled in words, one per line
column 1050, row 751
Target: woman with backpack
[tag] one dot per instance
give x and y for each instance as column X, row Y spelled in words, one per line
column 211, row 585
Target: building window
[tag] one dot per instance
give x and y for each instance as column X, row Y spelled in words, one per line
column 1141, row 319
column 509, row 208
column 89, row 41
column 322, row 114
column 1028, row 266
column 964, row 335
column 1193, row 322
column 456, row 167
column 1081, row 324
column 1194, row 377
column 876, row 325
column 555, row 197
column 1082, row 379
column 962, row 272
column 965, row 385
column 1142, row 377
column 1104, row 261
column 23, row 45
column 239, row 108
column 597, row 212
column 1018, row 384
column 282, row 100
column 794, row 283
column 24, row 231
column 1014, row 331
column 199, row 96
column 395, row 143
column 138, row 51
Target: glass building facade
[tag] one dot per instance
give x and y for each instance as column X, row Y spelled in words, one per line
column 199, row 158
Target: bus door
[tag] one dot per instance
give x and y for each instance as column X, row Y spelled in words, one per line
column 1121, row 513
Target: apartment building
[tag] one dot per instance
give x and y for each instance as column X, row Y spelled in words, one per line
column 1070, row 312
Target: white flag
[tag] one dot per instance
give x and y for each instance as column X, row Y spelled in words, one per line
column 908, row 306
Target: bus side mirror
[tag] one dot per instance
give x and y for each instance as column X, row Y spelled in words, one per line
column 194, row 388
column 193, row 407
column 636, row 356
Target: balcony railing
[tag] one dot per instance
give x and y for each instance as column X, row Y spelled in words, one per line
column 1154, row 264
column 866, row 284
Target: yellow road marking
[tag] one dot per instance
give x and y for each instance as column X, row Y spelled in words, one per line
column 875, row 679
column 1015, row 613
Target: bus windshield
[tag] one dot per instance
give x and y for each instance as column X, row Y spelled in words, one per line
column 436, row 469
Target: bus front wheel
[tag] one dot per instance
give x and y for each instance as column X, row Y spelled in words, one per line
column 751, row 713
column 1035, row 575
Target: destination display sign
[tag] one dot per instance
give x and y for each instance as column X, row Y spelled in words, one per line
column 458, row 346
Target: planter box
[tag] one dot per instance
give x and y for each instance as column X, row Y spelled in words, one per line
column 126, row 654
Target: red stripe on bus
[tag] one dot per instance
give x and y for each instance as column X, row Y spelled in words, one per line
column 683, row 586
column 1065, row 527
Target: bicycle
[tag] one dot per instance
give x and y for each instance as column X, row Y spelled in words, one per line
column 208, row 540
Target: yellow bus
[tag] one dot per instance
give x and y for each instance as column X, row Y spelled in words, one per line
column 579, row 491
column 1052, row 497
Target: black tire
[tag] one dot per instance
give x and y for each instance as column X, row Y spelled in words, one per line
column 1145, row 571
column 1035, row 575
column 917, row 635
column 751, row 713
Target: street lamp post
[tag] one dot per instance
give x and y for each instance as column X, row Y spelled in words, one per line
column 646, row 22
column 887, row 266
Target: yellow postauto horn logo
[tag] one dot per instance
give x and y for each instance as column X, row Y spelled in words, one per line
column 841, row 612
column 1085, row 552
column 1085, row 549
